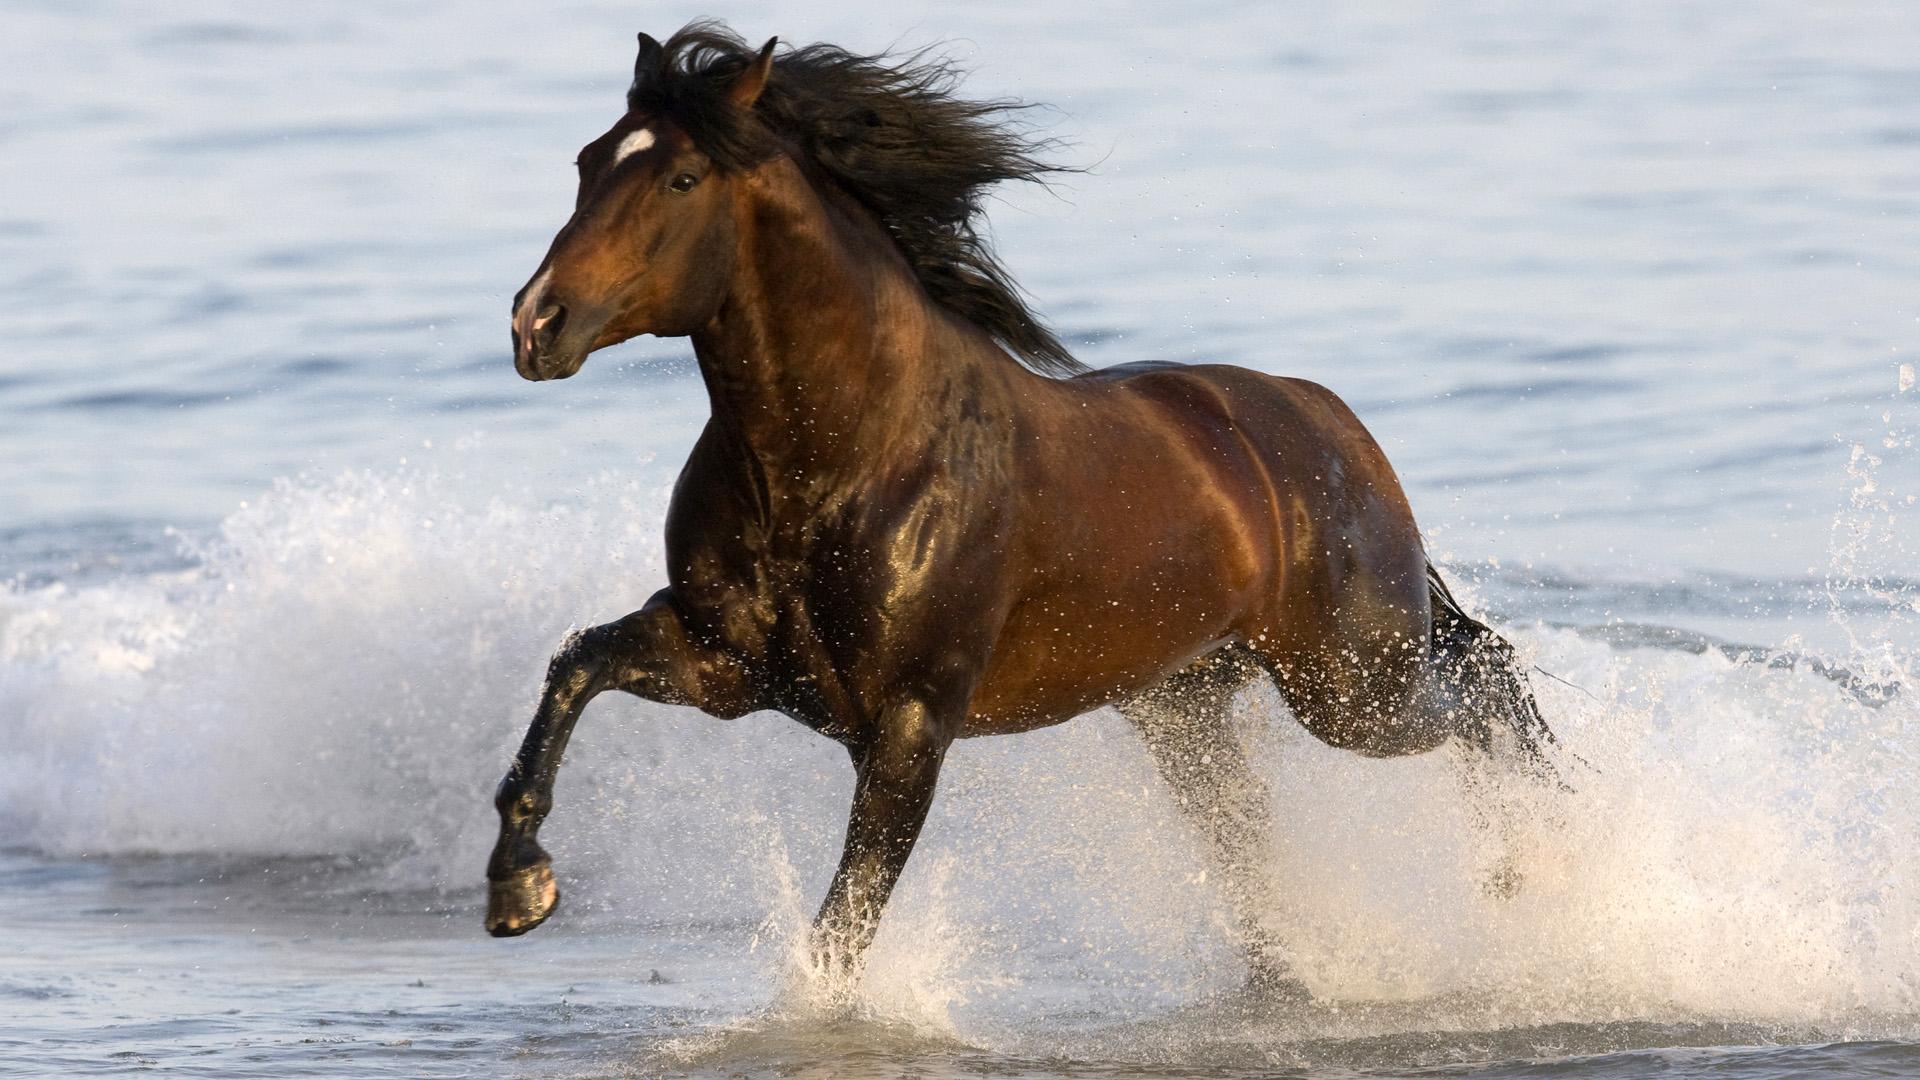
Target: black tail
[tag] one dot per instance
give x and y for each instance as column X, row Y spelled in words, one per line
column 1489, row 686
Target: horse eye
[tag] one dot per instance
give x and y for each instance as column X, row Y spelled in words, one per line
column 684, row 183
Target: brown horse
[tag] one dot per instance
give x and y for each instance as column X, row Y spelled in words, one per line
column 896, row 533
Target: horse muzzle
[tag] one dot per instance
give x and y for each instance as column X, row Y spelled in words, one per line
column 541, row 346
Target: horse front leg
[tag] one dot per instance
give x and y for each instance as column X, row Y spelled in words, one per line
column 648, row 654
column 895, row 774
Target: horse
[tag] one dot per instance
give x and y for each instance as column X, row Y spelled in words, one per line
column 913, row 517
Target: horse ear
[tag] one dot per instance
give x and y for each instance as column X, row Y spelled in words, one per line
column 647, row 64
column 746, row 89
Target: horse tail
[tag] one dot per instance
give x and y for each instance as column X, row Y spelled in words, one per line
column 1484, row 679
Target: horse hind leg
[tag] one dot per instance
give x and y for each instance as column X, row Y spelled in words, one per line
column 1186, row 722
column 1383, row 692
column 1480, row 687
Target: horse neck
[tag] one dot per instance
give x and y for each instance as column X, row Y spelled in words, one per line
column 826, row 342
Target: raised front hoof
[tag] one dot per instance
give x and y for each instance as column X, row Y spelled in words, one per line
column 522, row 901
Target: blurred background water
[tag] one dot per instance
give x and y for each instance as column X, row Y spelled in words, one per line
column 1628, row 292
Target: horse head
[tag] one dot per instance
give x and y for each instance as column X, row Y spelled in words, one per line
column 652, row 241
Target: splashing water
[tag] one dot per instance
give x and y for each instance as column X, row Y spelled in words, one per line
column 345, row 667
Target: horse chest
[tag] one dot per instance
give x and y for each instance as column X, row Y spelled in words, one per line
column 830, row 617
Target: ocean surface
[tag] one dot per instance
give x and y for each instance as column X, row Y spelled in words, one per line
column 1629, row 292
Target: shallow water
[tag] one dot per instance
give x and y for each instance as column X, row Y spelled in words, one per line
column 1627, row 293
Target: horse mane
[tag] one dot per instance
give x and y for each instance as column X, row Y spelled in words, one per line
column 892, row 134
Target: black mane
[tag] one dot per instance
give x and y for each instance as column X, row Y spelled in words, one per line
column 893, row 135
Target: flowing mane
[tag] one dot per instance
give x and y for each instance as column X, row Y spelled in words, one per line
column 893, row 135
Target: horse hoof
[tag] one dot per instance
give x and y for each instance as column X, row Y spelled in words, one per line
column 522, row 901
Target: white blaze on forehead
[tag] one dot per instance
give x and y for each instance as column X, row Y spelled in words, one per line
column 634, row 143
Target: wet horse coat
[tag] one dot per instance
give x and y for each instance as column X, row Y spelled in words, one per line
column 896, row 533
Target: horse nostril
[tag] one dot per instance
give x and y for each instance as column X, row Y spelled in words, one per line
column 548, row 321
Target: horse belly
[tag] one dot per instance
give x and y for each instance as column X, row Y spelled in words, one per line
column 1064, row 653
column 1018, row 695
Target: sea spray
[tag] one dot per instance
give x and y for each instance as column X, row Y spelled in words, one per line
column 348, row 665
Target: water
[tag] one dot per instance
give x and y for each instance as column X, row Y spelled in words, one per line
column 1626, row 291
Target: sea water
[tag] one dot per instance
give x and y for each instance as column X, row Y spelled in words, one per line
column 1628, row 292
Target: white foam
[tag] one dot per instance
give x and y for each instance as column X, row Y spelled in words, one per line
column 354, row 661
